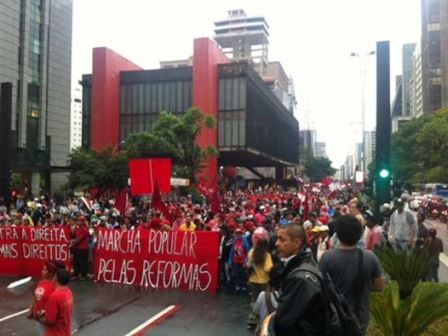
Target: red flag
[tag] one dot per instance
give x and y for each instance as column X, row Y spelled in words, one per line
column 215, row 202
column 306, row 209
column 145, row 172
column 156, row 202
column 202, row 187
column 120, row 203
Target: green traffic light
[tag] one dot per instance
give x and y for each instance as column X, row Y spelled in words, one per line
column 384, row 173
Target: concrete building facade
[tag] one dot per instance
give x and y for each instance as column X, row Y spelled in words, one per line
column 407, row 71
column 35, row 57
column 416, row 89
column 76, row 119
column 369, row 147
column 434, row 53
column 321, row 149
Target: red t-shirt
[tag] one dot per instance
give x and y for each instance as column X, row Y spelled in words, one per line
column 82, row 233
column 58, row 313
column 42, row 292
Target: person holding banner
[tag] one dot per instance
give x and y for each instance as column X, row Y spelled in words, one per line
column 80, row 250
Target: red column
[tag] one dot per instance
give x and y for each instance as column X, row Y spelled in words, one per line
column 105, row 119
column 206, row 57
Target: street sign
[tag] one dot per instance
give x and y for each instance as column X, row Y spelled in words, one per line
column 179, row 182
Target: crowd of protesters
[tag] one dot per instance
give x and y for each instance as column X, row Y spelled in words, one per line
column 266, row 235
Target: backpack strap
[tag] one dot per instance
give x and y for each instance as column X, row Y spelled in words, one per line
column 268, row 300
column 358, row 284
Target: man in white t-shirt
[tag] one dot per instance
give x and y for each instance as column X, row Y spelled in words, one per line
column 402, row 228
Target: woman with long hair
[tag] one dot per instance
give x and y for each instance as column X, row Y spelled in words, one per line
column 259, row 265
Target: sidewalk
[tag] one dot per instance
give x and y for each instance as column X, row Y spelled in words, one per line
column 442, row 233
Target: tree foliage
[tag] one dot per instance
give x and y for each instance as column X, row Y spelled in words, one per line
column 105, row 169
column 316, row 168
column 171, row 136
column 176, row 137
column 418, row 150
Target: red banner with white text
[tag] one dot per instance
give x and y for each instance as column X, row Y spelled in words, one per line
column 23, row 250
column 158, row 259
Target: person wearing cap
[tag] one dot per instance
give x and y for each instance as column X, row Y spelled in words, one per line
column 385, row 214
column 323, row 241
column 311, row 222
column 402, row 228
column 237, row 260
column 435, row 247
column 259, row 262
column 375, row 235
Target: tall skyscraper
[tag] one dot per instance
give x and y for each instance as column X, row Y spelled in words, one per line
column 246, row 38
column 369, row 147
column 76, row 118
column 407, row 59
column 416, row 90
column 35, row 56
column 434, row 54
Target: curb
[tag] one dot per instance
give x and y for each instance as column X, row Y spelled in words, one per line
column 444, row 259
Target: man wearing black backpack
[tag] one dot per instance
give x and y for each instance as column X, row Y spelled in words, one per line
column 354, row 272
column 301, row 307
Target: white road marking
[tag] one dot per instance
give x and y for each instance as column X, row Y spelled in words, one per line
column 444, row 259
column 151, row 320
column 13, row 315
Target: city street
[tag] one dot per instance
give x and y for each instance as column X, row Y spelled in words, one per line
column 102, row 309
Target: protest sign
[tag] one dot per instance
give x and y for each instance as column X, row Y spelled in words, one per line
column 23, row 250
column 158, row 259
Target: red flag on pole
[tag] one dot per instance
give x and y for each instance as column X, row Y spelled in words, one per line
column 145, row 172
column 215, row 202
column 156, row 202
column 120, row 203
column 306, row 208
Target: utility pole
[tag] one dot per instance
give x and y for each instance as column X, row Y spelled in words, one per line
column 5, row 141
column 383, row 124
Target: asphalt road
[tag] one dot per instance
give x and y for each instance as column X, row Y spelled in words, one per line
column 115, row 310
column 105, row 309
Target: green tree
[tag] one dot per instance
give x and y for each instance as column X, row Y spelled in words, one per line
column 418, row 150
column 316, row 168
column 175, row 136
column 105, row 169
column 433, row 147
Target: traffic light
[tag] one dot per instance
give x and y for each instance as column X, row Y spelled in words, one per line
column 384, row 173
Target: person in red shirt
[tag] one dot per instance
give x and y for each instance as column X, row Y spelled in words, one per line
column 80, row 248
column 43, row 290
column 59, row 308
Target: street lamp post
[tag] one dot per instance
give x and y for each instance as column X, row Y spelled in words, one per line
column 362, row 73
column 114, row 150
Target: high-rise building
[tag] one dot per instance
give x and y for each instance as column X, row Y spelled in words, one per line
column 76, row 119
column 321, row 149
column 307, row 140
column 434, row 53
column 416, row 90
column 369, row 147
column 35, row 57
column 246, row 38
column 407, row 60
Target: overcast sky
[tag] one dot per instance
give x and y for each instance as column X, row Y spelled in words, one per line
column 312, row 38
